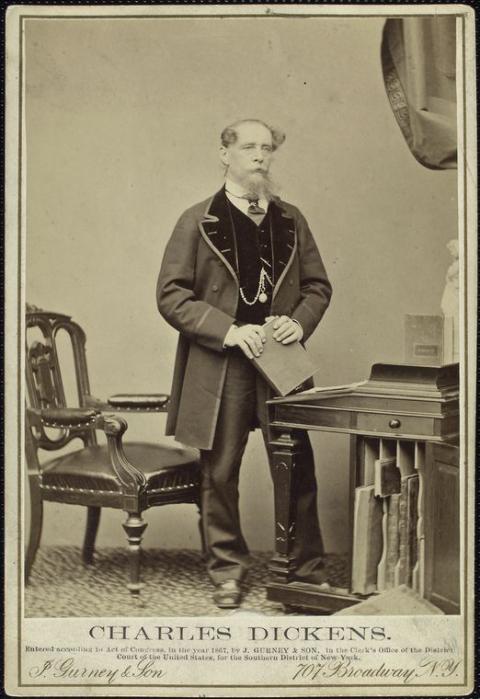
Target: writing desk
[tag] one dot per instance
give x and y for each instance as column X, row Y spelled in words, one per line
column 405, row 413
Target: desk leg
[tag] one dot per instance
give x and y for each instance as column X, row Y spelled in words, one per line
column 284, row 450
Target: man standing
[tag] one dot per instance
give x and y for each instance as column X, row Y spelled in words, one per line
column 233, row 261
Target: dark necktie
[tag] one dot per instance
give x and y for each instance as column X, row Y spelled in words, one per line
column 254, row 208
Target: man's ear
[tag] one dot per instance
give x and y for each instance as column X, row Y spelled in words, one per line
column 224, row 155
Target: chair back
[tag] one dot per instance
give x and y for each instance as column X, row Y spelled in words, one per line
column 45, row 382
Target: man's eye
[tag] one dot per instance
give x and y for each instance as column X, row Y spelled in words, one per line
column 267, row 148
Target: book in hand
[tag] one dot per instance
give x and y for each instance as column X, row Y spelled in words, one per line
column 284, row 367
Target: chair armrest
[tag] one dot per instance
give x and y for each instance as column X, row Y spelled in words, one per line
column 126, row 402
column 74, row 421
column 140, row 401
column 130, row 477
column 65, row 417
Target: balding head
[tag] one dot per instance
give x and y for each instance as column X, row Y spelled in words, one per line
column 229, row 134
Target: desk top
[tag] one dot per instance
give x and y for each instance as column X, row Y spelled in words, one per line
column 398, row 400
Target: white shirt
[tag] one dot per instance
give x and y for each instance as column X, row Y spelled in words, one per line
column 236, row 193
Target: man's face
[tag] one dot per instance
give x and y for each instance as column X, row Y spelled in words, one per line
column 248, row 159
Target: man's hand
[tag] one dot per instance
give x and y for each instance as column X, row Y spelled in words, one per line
column 286, row 330
column 250, row 338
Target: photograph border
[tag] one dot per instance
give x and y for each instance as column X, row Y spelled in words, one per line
column 15, row 301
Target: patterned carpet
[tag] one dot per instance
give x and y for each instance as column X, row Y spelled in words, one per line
column 176, row 584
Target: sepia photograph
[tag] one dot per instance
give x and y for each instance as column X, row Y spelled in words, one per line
column 240, row 319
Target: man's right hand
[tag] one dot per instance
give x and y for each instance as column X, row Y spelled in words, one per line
column 250, row 338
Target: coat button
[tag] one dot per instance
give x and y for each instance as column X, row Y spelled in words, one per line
column 215, row 287
column 291, row 282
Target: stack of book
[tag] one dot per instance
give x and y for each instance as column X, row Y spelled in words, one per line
column 385, row 524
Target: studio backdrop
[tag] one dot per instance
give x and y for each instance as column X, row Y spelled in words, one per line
column 123, row 121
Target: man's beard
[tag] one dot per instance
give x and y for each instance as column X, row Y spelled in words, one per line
column 259, row 185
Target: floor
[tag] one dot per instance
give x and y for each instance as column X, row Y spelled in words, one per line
column 176, row 584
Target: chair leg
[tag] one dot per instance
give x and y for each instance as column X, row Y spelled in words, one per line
column 93, row 520
column 134, row 528
column 36, row 521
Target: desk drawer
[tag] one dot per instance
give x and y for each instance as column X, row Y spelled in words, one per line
column 396, row 424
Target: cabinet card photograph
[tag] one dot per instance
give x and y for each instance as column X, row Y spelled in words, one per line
column 240, row 350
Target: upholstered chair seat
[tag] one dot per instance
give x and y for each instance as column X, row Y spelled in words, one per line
column 166, row 469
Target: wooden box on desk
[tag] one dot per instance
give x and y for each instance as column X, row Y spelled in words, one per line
column 424, row 339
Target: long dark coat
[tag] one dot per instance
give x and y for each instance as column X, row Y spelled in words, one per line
column 197, row 293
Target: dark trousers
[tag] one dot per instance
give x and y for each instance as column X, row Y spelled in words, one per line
column 243, row 399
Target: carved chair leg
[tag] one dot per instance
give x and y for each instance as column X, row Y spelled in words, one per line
column 134, row 528
column 36, row 521
column 93, row 520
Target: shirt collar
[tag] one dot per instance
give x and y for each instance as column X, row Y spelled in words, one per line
column 234, row 188
column 236, row 194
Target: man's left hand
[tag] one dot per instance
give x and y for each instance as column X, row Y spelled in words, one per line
column 286, row 330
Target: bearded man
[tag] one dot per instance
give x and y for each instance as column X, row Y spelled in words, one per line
column 232, row 262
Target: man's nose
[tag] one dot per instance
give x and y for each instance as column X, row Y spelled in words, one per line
column 258, row 155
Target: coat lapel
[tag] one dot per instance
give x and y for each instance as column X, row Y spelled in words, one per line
column 284, row 240
column 215, row 226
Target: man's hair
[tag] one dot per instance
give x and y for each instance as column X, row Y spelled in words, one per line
column 229, row 134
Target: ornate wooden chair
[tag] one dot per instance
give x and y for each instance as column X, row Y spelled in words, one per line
column 131, row 477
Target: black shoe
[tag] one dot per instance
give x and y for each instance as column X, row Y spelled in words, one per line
column 228, row 594
column 315, row 577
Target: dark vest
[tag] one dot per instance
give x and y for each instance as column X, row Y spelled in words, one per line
column 254, row 250
column 221, row 237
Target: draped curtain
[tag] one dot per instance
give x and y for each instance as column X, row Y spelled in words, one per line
column 418, row 62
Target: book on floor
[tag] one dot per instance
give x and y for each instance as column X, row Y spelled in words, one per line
column 367, row 539
column 392, row 539
column 407, row 526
